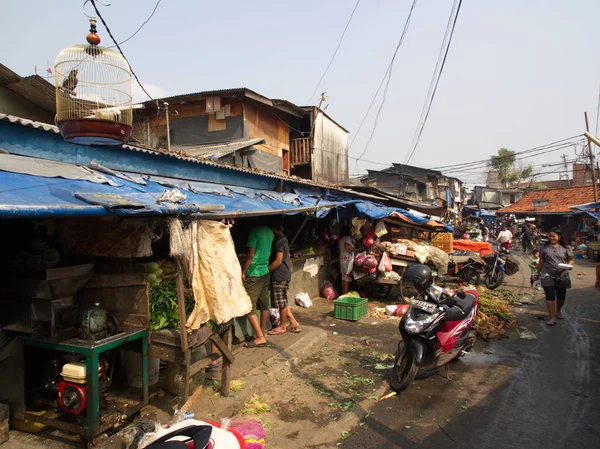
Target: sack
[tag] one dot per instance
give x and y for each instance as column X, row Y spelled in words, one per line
column 303, row 300
column 564, row 281
column 327, row 291
column 385, row 264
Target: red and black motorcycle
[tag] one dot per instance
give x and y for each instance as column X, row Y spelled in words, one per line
column 435, row 330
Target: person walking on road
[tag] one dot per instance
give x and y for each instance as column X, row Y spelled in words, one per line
column 281, row 275
column 555, row 281
column 255, row 275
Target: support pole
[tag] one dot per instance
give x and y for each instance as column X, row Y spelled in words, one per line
column 591, row 156
column 166, row 105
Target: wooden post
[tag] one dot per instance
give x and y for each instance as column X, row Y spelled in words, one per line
column 168, row 128
column 591, row 156
column 226, row 373
column 299, row 230
column 184, row 338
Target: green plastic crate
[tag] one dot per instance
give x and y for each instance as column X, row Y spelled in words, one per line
column 350, row 308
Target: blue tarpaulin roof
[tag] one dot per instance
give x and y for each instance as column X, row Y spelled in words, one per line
column 26, row 195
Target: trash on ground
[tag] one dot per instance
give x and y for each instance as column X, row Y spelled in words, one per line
column 387, row 396
column 526, row 334
column 381, row 366
column 255, row 406
column 303, row 300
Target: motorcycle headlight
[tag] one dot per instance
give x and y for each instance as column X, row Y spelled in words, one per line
column 416, row 326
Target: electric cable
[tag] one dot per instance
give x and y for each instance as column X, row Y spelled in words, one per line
column 530, row 150
column 428, row 104
column 388, row 74
column 141, row 26
column 335, row 52
column 93, row 2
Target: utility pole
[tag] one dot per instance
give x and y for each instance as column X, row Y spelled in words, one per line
column 591, row 155
column 166, row 105
column 564, row 158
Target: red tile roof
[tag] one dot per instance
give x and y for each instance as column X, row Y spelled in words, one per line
column 556, row 201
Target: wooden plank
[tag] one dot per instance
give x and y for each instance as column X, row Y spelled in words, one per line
column 165, row 352
column 220, row 344
column 226, row 369
column 116, row 280
column 216, row 125
column 203, row 363
column 182, row 317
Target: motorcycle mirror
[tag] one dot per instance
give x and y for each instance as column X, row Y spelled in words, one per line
column 461, row 294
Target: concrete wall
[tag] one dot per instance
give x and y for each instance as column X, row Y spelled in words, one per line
column 330, row 155
column 13, row 104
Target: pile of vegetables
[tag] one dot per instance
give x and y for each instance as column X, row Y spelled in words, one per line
column 164, row 308
column 156, row 272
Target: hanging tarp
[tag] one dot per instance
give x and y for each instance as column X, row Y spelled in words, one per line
column 206, row 250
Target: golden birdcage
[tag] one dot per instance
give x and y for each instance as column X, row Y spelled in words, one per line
column 93, row 93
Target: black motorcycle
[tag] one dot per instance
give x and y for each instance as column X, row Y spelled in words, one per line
column 499, row 265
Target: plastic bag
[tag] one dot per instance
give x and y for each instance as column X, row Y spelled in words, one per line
column 391, row 276
column 275, row 317
column 380, row 229
column 303, row 300
column 359, row 259
column 369, row 239
column 370, row 263
column 385, row 264
column 327, row 291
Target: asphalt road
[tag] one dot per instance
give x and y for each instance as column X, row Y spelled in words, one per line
column 542, row 393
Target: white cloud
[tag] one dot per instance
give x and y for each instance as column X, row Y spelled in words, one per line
column 139, row 95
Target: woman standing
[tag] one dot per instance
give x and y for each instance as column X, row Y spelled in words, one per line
column 555, row 281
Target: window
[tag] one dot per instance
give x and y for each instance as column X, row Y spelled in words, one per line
column 540, row 203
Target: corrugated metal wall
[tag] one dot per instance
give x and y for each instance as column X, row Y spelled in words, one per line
column 330, row 156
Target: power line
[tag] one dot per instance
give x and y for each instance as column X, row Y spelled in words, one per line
column 335, row 52
column 530, row 150
column 388, row 74
column 141, row 26
column 429, row 102
column 93, row 2
column 471, row 169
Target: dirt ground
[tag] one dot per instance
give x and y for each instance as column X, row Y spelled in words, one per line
column 337, row 396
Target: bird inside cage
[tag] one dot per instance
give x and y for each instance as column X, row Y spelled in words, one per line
column 70, row 82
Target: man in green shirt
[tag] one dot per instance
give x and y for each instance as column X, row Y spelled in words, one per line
column 255, row 274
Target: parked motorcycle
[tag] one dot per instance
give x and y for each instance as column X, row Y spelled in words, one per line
column 499, row 265
column 436, row 328
column 466, row 269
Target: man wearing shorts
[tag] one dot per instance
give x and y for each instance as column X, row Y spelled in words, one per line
column 255, row 274
column 281, row 274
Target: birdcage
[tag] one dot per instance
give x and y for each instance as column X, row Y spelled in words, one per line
column 93, row 93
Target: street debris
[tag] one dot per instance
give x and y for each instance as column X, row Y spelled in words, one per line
column 387, row 396
column 381, row 367
column 255, row 406
column 334, row 333
column 493, row 315
column 526, row 334
column 237, row 385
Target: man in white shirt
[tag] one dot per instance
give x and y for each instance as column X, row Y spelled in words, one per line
column 504, row 237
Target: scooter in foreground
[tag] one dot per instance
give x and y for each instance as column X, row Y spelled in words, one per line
column 436, row 328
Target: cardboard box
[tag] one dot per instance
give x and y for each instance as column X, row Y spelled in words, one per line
column 443, row 241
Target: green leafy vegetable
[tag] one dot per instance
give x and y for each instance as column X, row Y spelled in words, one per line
column 164, row 310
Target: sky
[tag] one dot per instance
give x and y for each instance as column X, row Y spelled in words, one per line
column 519, row 73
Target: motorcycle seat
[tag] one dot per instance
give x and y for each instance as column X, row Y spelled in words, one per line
column 461, row 310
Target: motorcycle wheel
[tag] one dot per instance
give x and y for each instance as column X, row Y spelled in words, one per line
column 404, row 370
column 470, row 276
column 494, row 281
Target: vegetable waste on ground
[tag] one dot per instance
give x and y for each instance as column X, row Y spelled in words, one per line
column 494, row 315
